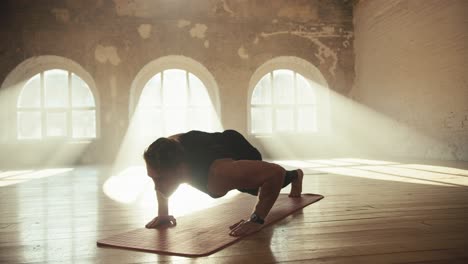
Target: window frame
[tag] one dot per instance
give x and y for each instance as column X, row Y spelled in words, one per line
column 44, row 110
column 187, row 106
column 13, row 85
column 311, row 74
column 180, row 63
column 295, row 107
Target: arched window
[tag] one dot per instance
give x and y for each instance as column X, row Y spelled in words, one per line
column 174, row 101
column 283, row 101
column 56, row 103
column 170, row 95
column 288, row 96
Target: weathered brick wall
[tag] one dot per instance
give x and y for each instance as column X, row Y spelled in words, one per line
column 411, row 68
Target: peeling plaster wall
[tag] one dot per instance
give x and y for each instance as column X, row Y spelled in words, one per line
column 412, row 66
column 113, row 39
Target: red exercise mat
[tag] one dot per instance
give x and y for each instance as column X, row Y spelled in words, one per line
column 207, row 231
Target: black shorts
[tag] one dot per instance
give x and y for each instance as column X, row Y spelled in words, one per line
column 239, row 147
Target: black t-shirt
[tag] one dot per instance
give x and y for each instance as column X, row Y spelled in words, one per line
column 202, row 149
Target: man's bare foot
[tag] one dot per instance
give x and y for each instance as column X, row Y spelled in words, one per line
column 296, row 185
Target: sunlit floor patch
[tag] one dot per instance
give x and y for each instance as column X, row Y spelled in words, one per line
column 7, row 182
column 383, row 170
column 296, row 164
column 367, row 161
column 6, row 174
column 432, row 168
column 428, row 177
column 333, row 162
column 354, row 172
column 187, row 199
column 128, row 185
column 14, row 177
column 133, row 186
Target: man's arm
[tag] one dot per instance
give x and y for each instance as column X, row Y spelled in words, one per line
column 163, row 208
column 248, row 174
column 269, row 192
column 163, row 217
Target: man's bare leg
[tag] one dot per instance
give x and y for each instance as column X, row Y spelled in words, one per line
column 296, row 185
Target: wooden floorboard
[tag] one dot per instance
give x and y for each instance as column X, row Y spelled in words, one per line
column 373, row 212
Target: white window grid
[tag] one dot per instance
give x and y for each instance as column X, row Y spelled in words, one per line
column 44, row 110
column 295, row 106
column 187, row 107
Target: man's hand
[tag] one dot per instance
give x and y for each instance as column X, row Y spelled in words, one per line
column 160, row 221
column 243, row 228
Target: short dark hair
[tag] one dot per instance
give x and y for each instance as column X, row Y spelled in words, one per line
column 164, row 153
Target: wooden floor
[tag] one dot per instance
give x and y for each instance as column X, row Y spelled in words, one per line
column 373, row 212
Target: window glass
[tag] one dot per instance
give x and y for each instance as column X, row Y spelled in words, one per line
column 151, row 94
column 175, row 88
column 305, row 92
column 29, row 125
column 198, row 93
column 283, row 83
column 261, row 120
column 293, row 108
column 262, row 92
column 81, row 94
column 30, row 96
column 184, row 104
column 284, row 120
column 56, row 88
column 56, row 124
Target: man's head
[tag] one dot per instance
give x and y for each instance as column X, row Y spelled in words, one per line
column 163, row 154
column 163, row 158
